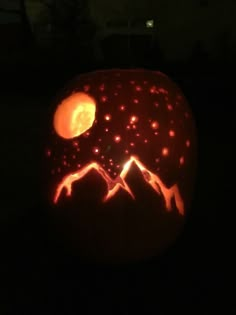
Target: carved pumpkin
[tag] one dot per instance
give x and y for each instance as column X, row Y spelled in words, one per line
column 119, row 163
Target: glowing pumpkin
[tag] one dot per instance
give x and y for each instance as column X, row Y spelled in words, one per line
column 120, row 162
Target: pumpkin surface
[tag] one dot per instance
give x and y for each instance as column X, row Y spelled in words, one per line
column 119, row 163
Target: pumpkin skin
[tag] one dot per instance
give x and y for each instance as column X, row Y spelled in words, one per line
column 119, row 163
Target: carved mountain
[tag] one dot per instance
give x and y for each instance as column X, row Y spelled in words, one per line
column 120, row 183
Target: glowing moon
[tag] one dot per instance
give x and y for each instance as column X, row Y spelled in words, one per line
column 74, row 115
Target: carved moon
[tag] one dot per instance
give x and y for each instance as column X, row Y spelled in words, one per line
column 74, row 115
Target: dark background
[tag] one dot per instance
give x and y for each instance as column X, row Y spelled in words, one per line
column 39, row 275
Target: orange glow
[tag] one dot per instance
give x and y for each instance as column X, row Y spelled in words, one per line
column 154, row 125
column 96, row 150
column 188, row 143
column 107, row 117
column 122, row 108
column 153, row 89
column 48, row 153
column 86, row 134
column 133, row 119
column 102, row 87
column 104, row 98
column 113, row 185
column 117, row 139
column 181, row 160
column 165, row 151
column 86, row 88
column 171, row 133
column 74, row 115
column 75, row 144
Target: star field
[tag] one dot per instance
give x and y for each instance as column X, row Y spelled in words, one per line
column 139, row 114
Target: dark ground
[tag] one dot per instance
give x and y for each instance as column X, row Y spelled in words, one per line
column 40, row 277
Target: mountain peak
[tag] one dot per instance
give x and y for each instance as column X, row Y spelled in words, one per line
column 113, row 185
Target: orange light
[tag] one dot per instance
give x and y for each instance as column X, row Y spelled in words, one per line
column 96, row 150
column 74, row 115
column 48, row 153
column 171, row 133
column 181, row 160
column 133, row 119
column 169, row 107
column 107, row 117
column 165, row 151
column 104, row 98
column 102, row 87
column 122, row 108
column 153, row 89
column 86, row 134
column 188, row 143
column 117, row 139
column 113, row 185
column 155, row 125
column 75, row 144
column 86, row 88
